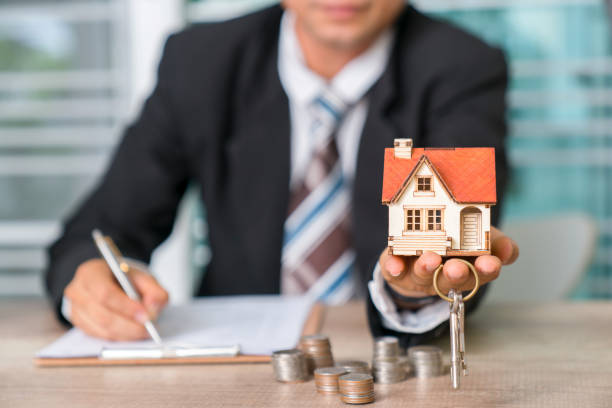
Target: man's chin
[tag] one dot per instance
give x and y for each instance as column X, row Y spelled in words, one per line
column 346, row 39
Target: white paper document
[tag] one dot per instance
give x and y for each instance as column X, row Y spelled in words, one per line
column 259, row 324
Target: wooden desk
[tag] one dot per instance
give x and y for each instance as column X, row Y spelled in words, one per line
column 519, row 356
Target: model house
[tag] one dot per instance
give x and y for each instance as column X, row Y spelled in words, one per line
column 439, row 199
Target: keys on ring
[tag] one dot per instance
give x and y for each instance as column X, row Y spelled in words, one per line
column 456, row 320
column 457, row 314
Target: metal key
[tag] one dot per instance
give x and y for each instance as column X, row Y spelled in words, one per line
column 457, row 315
column 461, row 316
column 457, row 322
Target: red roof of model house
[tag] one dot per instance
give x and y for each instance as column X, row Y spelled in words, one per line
column 468, row 173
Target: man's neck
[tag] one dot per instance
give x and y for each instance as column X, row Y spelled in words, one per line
column 326, row 60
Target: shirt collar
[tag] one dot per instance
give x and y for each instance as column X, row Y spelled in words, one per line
column 351, row 83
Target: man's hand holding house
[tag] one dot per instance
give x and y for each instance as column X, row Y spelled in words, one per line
column 412, row 276
column 439, row 203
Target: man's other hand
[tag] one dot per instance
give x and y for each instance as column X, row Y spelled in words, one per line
column 413, row 276
column 101, row 308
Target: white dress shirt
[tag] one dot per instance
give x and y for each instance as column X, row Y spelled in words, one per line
column 351, row 84
column 303, row 86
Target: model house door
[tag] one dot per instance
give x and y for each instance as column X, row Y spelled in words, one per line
column 470, row 228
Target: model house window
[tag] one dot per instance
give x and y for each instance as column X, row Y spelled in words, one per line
column 434, row 220
column 413, row 220
column 424, row 183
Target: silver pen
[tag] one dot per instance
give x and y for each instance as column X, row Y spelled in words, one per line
column 169, row 352
column 119, row 267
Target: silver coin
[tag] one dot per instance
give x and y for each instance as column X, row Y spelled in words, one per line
column 330, row 371
column 289, row 365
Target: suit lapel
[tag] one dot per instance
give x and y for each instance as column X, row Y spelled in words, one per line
column 370, row 219
column 259, row 158
column 369, row 216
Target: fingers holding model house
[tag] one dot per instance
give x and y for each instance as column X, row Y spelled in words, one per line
column 439, row 202
column 413, row 276
column 100, row 308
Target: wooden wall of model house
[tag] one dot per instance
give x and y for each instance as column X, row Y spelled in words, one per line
column 437, row 199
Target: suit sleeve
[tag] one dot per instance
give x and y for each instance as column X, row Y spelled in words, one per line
column 466, row 108
column 136, row 200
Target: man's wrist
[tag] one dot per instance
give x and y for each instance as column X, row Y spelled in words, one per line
column 409, row 302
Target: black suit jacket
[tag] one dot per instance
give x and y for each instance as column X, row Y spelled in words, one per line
column 219, row 116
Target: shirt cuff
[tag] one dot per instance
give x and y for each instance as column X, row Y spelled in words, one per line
column 66, row 308
column 406, row 321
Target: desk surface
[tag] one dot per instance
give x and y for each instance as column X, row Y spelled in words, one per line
column 526, row 356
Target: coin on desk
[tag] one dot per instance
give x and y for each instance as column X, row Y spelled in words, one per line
column 356, row 388
column 386, row 346
column 317, row 350
column 326, row 379
column 354, row 366
column 289, row 366
column 386, row 366
column 426, row 361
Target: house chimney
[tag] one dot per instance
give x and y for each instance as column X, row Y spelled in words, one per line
column 402, row 148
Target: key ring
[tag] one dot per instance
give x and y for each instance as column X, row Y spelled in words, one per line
column 468, row 297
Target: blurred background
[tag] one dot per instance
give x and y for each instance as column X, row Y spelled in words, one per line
column 73, row 73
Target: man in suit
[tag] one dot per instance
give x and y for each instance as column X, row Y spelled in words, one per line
column 267, row 113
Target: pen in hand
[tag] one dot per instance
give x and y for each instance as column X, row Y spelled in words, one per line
column 120, row 270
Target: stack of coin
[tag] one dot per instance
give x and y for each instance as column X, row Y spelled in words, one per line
column 356, row 388
column 406, row 364
column 386, row 366
column 289, row 366
column 326, row 379
column 354, row 366
column 386, row 347
column 317, row 350
column 388, row 372
column 426, row 361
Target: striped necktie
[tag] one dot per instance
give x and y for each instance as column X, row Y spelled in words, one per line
column 317, row 257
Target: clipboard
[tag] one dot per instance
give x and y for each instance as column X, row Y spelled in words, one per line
column 312, row 325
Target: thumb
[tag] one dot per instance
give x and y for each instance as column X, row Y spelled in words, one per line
column 154, row 297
